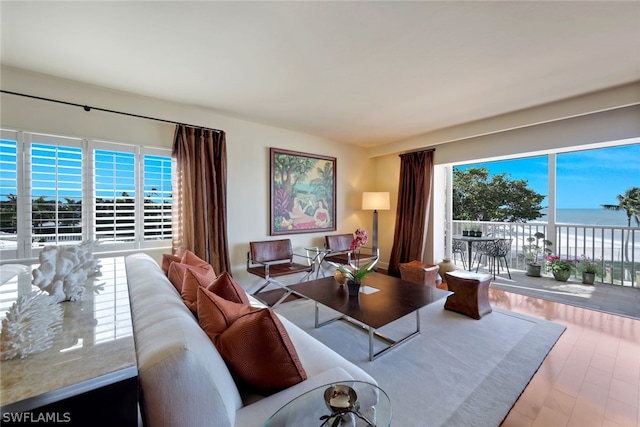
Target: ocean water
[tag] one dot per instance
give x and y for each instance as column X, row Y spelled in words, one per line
column 604, row 243
column 591, row 217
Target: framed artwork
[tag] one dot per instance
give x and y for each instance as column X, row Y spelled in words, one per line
column 303, row 191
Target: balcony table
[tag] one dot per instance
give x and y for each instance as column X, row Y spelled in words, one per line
column 470, row 240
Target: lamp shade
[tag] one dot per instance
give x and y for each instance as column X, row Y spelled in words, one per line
column 375, row 200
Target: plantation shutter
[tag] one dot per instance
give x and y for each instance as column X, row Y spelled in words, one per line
column 157, row 197
column 8, row 194
column 65, row 190
column 56, row 190
column 114, row 194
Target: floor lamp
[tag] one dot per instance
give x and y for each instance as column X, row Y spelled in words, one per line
column 375, row 201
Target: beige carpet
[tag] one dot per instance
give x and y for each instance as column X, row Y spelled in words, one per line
column 457, row 372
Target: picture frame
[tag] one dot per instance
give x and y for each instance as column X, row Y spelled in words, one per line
column 303, row 190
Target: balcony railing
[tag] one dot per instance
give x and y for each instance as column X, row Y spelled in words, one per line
column 616, row 248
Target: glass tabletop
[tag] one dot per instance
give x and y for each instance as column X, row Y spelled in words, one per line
column 364, row 404
column 317, row 249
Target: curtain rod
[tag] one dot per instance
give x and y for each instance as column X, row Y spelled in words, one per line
column 417, row 150
column 89, row 108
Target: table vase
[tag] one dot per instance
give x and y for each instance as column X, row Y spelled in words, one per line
column 445, row 266
column 354, row 288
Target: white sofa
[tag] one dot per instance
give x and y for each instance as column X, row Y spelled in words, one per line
column 183, row 379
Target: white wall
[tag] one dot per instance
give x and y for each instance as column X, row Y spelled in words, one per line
column 247, row 150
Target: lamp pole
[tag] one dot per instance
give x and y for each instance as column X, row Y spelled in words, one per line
column 375, row 230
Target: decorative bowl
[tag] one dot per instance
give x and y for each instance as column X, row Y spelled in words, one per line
column 340, row 277
column 340, row 398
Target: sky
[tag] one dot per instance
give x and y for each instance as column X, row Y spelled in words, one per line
column 584, row 179
column 62, row 165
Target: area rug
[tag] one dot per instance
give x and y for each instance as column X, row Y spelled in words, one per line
column 457, row 372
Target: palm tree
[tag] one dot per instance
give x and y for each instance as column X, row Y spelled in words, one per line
column 630, row 203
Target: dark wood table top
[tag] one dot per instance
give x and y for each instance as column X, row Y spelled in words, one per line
column 394, row 299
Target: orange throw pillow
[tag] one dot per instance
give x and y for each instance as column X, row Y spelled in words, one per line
column 216, row 314
column 223, row 286
column 259, row 352
column 177, row 271
column 192, row 259
column 229, row 289
column 167, row 259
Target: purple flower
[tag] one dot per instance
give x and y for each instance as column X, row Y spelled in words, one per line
column 361, row 239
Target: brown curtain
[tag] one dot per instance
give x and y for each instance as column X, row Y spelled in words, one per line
column 412, row 214
column 200, row 195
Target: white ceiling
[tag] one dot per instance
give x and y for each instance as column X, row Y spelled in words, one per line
column 365, row 72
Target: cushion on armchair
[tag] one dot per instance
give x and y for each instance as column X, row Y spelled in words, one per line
column 341, row 254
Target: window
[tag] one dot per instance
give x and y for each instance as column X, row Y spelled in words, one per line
column 8, row 191
column 157, row 197
column 72, row 189
column 115, row 192
column 56, row 192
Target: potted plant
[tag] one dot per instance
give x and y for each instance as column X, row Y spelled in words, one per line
column 354, row 273
column 536, row 249
column 561, row 268
column 590, row 268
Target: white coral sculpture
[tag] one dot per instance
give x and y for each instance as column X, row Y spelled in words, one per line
column 63, row 270
column 30, row 325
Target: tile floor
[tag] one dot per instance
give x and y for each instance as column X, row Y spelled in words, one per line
column 591, row 377
column 616, row 299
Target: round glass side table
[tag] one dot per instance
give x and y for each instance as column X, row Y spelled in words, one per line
column 331, row 405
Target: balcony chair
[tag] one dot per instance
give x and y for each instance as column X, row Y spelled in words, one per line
column 460, row 247
column 340, row 254
column 480, row 249
column 273, row 259
column 496, row 251
column 419, row 273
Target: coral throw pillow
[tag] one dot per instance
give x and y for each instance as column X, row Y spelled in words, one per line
column 255, row 345
column 223, row 286
column 229, row 289
column 177, row 271
column 216, row 314
column 167, row 259
column 192, row 259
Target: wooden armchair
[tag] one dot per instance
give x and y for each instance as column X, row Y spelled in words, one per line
column 340, row 254
column 419, row 273
column 272, row 259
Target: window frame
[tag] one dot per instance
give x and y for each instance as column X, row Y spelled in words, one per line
column 24, row 250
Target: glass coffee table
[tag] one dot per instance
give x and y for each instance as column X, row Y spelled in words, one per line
column 345, row 404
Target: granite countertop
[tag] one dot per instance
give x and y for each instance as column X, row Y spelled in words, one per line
column 94, row 347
